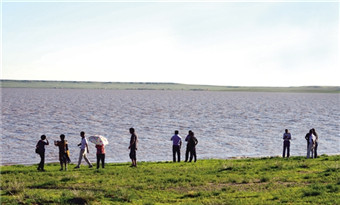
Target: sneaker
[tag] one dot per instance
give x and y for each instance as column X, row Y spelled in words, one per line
column 77, row 167
column 90, row 166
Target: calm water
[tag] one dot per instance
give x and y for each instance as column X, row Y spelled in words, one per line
column 227, row 124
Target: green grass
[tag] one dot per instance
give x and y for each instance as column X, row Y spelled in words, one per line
column 159, row 86
column 236, row 181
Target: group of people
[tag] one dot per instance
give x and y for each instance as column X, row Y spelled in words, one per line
column 190, row 154
column 312, row 143
column 191, row 146
column 64, row 154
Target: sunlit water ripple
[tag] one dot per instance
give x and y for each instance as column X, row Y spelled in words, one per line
column 227, row 124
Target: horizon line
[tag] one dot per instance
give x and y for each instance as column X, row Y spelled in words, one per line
column 174, row 83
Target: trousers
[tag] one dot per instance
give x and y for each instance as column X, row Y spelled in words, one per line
column 42, row 161
column 81, row 155
column 310, row 150
column 100, row 158
column 286, row 146
column 176, row 150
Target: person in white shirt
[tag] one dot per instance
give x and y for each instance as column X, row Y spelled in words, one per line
column 286, row 143
column 176, row 146
column 83, row 149
column 316, row 141
column 310, row 144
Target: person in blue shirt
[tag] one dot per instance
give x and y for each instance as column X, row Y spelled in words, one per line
column 176, row 146
column 286, row 143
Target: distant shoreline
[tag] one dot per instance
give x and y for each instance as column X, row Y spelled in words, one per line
column 158, row 86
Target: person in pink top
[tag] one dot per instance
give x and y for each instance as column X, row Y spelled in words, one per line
column 100, row 155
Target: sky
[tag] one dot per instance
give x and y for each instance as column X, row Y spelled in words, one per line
column 247, row 43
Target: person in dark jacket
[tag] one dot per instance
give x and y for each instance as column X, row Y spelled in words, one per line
column 192, row 142
column 188, row 148
column 40, row 147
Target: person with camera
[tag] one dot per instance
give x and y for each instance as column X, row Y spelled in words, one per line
column 40, row 149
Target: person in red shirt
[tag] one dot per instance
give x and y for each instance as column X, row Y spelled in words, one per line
column 100, row 155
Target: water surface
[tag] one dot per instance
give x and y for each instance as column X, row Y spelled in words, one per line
column 227, row 124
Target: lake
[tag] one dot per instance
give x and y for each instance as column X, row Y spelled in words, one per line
column 226, row 124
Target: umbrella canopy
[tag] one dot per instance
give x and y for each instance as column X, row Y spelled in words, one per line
column 98, row 140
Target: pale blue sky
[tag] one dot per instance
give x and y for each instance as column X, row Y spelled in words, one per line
column 222, row 43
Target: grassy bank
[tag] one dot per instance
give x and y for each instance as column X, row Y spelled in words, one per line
column 159, row 86
column 234, row 181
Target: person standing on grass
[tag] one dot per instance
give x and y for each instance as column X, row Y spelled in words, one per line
column 176, row 146
column 63, row 148
column 100, row 155
column 83, row 150
column 309, row 138
column 192, row 142
column 133, row 147
column 40, row 149
column 315, row 143
column 188, row 148
column 286, row 143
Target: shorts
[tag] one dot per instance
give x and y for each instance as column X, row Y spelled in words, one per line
column 133, row 155
column 63, row 157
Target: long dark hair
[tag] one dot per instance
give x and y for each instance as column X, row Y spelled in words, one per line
column 314, row 132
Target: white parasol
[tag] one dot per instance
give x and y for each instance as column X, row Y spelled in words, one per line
column 98, row 140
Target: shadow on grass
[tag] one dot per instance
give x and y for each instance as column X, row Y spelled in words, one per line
column 225, row 169
column 77, row 200
column 192, row 195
